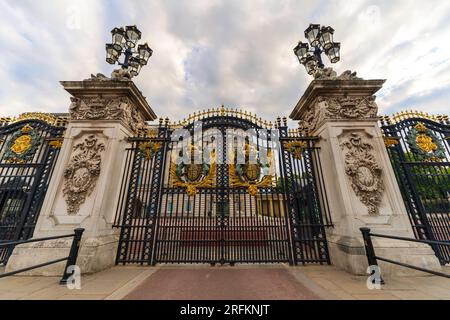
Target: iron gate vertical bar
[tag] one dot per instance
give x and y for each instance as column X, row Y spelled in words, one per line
column 126, row 226
column 157, row 188
column 286, row 173
column 313, row 181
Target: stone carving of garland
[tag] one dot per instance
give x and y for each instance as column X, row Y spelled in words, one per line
column 98, row 108
column 363, row 171
column 81, row 174
column 337, row 108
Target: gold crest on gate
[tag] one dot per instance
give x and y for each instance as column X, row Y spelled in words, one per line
column 252, row 171
column 22, row 144
column 193, row 172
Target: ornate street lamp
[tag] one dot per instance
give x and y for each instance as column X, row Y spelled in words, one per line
column 124, row 41
column 320, row 41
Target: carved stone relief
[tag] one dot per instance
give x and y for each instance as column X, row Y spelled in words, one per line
column 99, row 108
column 82, row 173
column 363, row 171
column 350, row 107
column 310, row 119
column 337, row 108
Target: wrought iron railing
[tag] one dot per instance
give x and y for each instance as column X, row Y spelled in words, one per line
column 71, row 259
column 372, row 258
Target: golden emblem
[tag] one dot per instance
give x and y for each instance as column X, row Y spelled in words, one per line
column 193, row 172
column 425, row 143
column 249, row 175
column 194, row 176
column 56, row 143
column 149, row 148
column 421, row 127
column 22, row 144
column 296, row 148
column 252, row 171
column 390, row 142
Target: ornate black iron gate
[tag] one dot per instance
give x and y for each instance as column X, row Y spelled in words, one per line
column 29, row 147
column 220, row 210
column 418, row 146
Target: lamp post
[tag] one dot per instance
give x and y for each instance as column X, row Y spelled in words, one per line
column 124, row 41
column 320, row 41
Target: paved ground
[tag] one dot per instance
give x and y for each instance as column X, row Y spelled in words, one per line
column 222, row 284
column 239, row 282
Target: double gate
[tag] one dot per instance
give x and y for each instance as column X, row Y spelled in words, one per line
column 29, row 147
column 218, row 209
column 419, row 149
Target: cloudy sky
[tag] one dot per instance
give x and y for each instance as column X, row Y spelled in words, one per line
column 234, row 52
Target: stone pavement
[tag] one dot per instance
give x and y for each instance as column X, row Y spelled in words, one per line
column 223, row 283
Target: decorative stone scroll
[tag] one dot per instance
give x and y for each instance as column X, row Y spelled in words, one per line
column 82, row 173
column 350, row 107
column 363, row 171
column 333, row 108
column 99, row 108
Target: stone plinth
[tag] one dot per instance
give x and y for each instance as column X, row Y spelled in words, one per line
column 360, row 183
column 85, row 185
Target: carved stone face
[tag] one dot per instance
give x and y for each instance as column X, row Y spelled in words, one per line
column 355, row 140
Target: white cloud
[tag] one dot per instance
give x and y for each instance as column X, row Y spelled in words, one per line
column 237, row 53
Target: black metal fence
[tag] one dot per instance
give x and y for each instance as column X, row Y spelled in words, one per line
column 419, row 149
column 372, row 257
column 28, row 152
column 71, row 258
column 167, row 215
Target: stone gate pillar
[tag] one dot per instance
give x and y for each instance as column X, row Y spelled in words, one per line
column 360, row 183
column 85, row 185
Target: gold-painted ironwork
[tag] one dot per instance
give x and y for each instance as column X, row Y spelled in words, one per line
column 391, row 142
column 421, row 127
column 249, row 175
column 296, row 148
column 194, row 176
column 410, row 114
column 56, row 143
column 252, row 187
column 424, row 144
column 221, row 112
column 148, row 132
column 59, row 121
column 149, row 148
column 22, row 145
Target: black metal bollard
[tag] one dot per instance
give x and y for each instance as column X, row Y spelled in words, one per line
column 73, row 255
column 370, row 251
